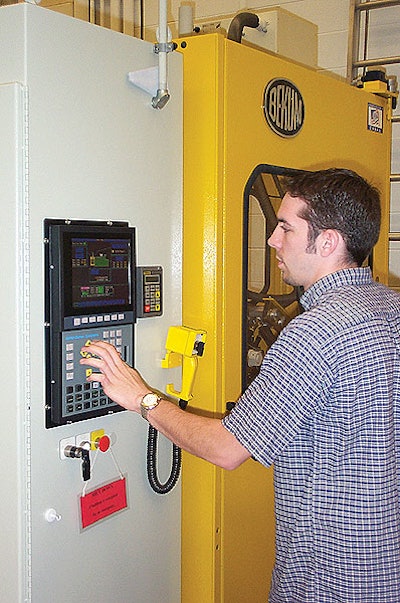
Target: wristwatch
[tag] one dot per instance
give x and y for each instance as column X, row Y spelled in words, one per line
column 149, row 401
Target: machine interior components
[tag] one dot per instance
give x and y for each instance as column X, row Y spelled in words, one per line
column 269, row 303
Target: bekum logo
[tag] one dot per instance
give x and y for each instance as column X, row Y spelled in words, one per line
column 283, row 107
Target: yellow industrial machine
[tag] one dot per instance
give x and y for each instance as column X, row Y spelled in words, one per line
column 249, row 115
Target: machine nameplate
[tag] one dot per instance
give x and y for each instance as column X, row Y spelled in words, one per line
column 283, row 107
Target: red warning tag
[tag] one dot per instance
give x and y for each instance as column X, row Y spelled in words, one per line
column 102, row 502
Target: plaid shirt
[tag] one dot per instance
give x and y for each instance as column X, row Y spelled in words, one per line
column 325, row 409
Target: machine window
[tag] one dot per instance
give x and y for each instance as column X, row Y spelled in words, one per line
column 269, row 303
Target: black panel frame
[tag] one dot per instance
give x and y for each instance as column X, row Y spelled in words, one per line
column 57, row 238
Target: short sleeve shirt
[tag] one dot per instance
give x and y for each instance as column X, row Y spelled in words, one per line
column 325, row 409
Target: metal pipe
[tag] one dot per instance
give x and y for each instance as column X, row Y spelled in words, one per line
column 163, row 39
column 162, row 48
column 378, row 61
column 241, row 20
column 371, row 4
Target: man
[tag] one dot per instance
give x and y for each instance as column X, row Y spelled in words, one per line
column 325, row 407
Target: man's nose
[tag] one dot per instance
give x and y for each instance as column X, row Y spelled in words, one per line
column 273, row 239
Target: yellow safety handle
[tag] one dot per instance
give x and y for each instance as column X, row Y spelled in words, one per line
column 184, row 346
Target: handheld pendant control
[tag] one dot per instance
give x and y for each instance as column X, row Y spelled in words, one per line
column 149, row 291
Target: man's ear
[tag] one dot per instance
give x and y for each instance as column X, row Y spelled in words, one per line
column 329, row 241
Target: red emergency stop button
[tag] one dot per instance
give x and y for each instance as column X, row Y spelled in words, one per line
column 103, row 443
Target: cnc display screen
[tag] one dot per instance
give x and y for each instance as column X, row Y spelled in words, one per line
column 98, row 274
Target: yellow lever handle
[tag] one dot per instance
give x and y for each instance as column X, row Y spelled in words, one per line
column 184, row 346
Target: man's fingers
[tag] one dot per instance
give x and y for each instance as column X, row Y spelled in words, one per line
column 101, row 355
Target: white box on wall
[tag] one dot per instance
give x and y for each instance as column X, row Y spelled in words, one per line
column 287, row 34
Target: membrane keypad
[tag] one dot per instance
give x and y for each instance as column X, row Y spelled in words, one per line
column 79, row 395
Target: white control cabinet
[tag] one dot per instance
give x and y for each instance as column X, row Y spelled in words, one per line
column 79, row 142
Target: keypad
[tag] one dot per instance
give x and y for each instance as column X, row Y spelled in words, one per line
column 79, row 395
column 91, row 395
column 152, row 298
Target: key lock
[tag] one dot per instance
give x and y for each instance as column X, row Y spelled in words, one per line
column 83, row 453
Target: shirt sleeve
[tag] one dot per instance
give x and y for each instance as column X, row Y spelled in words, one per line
column 292, row 385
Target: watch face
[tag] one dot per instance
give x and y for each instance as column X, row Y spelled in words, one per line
column 150, row 400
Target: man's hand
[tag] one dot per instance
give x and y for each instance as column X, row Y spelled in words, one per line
column 120, row 382
column 202, row 436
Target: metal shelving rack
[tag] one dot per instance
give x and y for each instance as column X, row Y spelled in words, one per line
column 358, row 61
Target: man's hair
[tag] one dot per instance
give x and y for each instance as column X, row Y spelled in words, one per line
column 341, row 200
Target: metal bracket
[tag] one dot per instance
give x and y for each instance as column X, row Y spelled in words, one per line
column 164, row 47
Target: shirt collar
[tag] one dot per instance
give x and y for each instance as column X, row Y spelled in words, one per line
column 348, row 276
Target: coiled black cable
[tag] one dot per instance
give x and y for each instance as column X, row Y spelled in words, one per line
column 152, row 473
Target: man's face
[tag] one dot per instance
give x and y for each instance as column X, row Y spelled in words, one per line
column 298, row 261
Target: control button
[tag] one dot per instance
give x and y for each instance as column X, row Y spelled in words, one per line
column 104, row 443
column 69, row 376
column 92, row 319
column 85, row 320
column 99, row 319
column 121, row 316
column 114, row 317
column 107, row 318
column 77, row 322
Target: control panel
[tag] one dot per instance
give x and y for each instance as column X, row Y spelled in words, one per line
column 149, row 291
column 89, row 294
